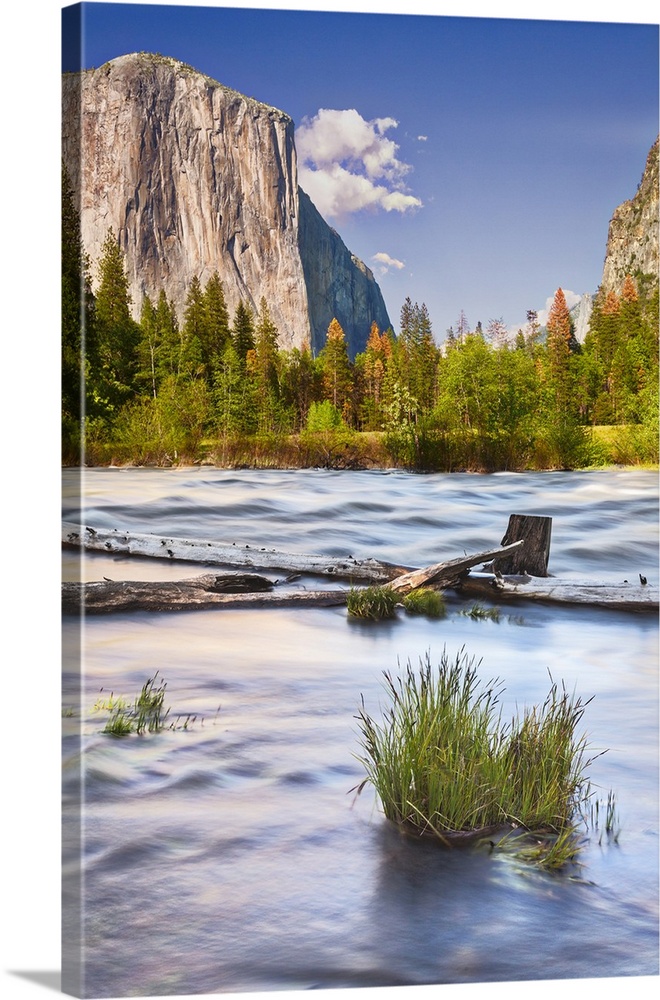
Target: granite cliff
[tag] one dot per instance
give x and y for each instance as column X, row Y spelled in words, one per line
column 194, row 177
column 632, row 241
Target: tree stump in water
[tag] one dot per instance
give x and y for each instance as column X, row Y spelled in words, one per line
column 533, row 556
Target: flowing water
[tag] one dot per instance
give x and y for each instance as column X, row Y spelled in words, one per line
column 232, row 855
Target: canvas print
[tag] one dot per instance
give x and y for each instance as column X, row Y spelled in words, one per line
column 359, row 501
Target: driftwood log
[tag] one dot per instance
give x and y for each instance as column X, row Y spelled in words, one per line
column 214, row 553
column 623, row 596
column 496, row 586
column 448, row 574
column 197, row 594
column 213, row 590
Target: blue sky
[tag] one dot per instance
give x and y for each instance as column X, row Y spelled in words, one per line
column 472, row 162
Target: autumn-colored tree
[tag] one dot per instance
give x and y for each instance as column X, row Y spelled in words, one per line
column 336, row 369
column 632, row 323
column 371, row 366
column 298, row 382
column 560, row 332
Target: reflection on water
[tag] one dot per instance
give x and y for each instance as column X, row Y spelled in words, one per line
column 233, row 855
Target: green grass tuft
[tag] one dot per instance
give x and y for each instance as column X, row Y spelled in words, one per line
column 442, row 762
column 425, row 602
column 372, row 603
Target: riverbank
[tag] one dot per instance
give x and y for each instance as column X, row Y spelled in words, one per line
column 414, row 449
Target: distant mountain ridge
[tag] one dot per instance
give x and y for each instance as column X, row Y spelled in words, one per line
column 194, row 177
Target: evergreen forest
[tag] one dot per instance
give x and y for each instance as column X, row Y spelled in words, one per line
column 218, row 388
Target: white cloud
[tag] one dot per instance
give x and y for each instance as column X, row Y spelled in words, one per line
column 386, row 263
column 422, row 138
column 346, row 164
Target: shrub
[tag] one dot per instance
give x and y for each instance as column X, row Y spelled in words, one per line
column 563, row 443
column 323, row 417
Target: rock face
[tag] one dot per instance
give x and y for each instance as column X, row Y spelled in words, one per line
column 193, row 178
column 581, row 314
column 632, row 242
column 350, row 299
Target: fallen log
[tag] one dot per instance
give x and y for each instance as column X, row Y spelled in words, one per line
column 213, row 590
column 125, row 595
column 447, row 574
column 105, row 596
column 212, row 553
column 624, row 596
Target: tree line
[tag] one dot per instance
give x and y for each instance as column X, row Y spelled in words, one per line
column 158, row 387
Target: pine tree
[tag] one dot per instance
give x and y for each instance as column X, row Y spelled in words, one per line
column 532, row 333
column 373, row 367
column 168, row 361
column 336, row 369
column 631, row 310
column 215, row 329
column 194, row 332
column 463, row 327
column 243, row 331
column 299, row 383
column 235, row 394
column 148, row 346
column 420, row 353
column 118, row 332
column 79, row 346
column 266, row 348
column 266, row 368
column 560, row 332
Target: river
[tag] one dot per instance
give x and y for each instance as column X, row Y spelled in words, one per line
column 232, row 856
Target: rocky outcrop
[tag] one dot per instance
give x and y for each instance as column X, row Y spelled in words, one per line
column 194, row 177
column 632, row 242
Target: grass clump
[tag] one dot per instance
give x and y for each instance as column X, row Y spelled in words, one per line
column 145, row 715
column 443, row 764
column 479, row 613
column 425, row 602
column 372, row 603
